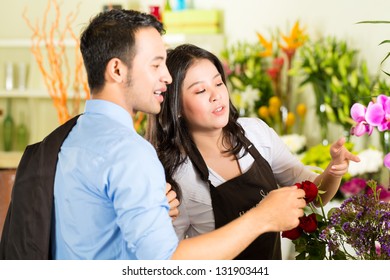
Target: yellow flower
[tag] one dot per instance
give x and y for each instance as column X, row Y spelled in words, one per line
column 290, row 119
column 301, row 110
column 275, row 101
column 274, row 111
column 263, row 112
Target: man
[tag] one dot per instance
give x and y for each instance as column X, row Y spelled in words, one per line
column 109, row 192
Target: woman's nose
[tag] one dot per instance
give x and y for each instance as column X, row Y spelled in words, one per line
column 215, row 96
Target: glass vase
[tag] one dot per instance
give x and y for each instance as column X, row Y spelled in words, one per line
column 8, row 128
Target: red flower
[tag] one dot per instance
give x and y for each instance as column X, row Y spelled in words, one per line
column 308, row 223
column 310, row 189
column 292, row 234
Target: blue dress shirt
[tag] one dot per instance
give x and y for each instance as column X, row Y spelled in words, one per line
column 109, row 191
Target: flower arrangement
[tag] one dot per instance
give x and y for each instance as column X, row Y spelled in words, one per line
column 259, row 79
column 248, row 82
column 358, row 229
column 279, row 48
column 375, row 115
column 338, row 80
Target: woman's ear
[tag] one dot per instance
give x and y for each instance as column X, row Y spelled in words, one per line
column 116, row 70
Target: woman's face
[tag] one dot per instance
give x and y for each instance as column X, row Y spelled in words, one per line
column 205, row 98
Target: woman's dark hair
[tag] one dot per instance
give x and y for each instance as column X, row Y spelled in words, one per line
column 168, row 132
column 110, row 35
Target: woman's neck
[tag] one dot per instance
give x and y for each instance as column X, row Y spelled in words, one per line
column 210, row 144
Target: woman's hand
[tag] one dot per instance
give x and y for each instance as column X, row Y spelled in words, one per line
column 340, row 158
column 173, row 202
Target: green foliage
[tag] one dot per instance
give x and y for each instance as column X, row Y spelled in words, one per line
column 245, row 67
column 331, row 67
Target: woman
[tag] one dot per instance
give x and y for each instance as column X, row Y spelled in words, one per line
column 224, row 165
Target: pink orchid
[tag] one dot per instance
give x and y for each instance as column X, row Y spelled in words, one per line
column 378, row 114
column 358, row 114
column 375, row 115
column 386, row 160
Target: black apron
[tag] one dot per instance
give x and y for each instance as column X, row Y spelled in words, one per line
column 238, row 195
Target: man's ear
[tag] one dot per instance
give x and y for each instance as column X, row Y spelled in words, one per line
column 116, row 70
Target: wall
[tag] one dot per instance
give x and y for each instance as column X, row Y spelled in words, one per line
column 242, row 19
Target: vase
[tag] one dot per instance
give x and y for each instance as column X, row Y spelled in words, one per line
column 8, row 128
column 21, row 134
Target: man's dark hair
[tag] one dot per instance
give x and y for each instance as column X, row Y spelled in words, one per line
column 110, row 35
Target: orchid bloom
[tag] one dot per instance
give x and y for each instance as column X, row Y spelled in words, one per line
column 378, row 113
column 358, row 114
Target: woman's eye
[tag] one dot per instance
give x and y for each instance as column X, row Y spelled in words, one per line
column 220, row 84
column 200, row 91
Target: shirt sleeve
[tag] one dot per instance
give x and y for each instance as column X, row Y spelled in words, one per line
column 287, row 168
column 137, row 188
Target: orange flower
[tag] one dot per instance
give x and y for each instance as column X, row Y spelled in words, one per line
column 296, row 39
column 290, row 120
column 266, row 44
column 275, row 101
column 301, row 110
column 263, row 112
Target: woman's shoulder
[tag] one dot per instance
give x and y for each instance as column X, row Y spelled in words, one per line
column 257, row 131
column 254, row 125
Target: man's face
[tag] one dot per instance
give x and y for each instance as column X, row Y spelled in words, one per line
column 149, row 74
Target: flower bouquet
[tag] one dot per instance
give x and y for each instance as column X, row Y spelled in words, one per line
column 359, row 229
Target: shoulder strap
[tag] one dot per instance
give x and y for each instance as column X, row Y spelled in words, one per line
column 27, row 228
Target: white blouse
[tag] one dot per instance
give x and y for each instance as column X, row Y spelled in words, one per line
column 196, row 213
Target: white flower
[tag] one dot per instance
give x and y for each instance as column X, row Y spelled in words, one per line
column 249, row 97
column 371, row 161
column 294, row 142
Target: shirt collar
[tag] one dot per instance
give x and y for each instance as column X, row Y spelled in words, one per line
column 109, row 109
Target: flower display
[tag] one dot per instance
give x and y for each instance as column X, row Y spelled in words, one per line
column 358, row 185
column 363, row 222
column 370, row 164
column 375, row 115
column 338, row 80
column 258, row 75
column 358, row 229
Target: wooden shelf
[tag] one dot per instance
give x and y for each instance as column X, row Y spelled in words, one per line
column 28, row 93
column 26, row 43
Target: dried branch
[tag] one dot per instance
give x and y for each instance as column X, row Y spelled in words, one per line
column 55, row 67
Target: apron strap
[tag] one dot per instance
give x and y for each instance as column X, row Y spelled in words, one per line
column 199, row 164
